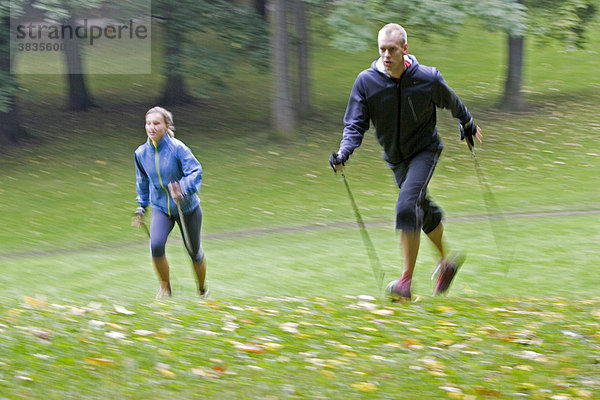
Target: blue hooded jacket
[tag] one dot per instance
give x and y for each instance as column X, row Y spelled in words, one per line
column 403, row 112
column 157, row 165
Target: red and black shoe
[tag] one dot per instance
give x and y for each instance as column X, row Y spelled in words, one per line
column 445, row 271
column 399, row 290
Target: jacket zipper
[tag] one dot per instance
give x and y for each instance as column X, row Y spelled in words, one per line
column 410, row 103
column 156, row 164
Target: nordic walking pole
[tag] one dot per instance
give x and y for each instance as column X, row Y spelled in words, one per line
column 378, row 272
column 186, row 237
column 489, row 201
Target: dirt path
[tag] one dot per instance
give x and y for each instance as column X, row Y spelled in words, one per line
column 275, row 231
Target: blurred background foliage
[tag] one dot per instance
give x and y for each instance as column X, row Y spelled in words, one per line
column 202, row 42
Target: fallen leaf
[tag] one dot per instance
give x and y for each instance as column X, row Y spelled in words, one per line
column 213, row 372
column 289, row 327
column 98, row 361
column 586, row 394
column 166, row 373
column 328, row 374
column 436, row 372
column 115, row 335
column 207, row 333
column 96, row 324
column 451, row 389
column 526, row 386
column 524, row 367
column 489, row 392
column 270, row 346
column 35, row 302
column 142, row 332
column 412, row 343
column 249, row 348
column 446, row 323
column 165, row 353
column 446, row 310
column 41, row 334
column 364, row 386
column 77, row 311
column 532, row 355
column 123, row 310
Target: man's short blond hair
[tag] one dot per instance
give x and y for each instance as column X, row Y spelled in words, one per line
column 394, row 29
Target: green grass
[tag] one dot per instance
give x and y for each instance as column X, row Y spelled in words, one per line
column 301, row 348
column 521, row 319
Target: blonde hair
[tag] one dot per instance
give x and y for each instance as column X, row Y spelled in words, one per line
column 167, row 116
column 395, row 28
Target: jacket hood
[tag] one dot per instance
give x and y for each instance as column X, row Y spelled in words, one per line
column 377, row 64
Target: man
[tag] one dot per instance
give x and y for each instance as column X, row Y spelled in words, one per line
column 400, row 97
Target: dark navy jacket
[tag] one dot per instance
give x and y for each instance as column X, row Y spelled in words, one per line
column 403, row 113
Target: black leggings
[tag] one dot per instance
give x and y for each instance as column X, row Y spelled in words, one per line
column 161, row 225
column 415, row 210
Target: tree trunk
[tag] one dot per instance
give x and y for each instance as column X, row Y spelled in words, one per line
column 174, row 91
column 79, row 98
column 11, row 131
column 261, row 8
column 512, row 98
column 304, row 106
column 283, row 118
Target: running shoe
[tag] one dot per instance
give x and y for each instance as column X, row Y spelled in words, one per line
column 445, row 272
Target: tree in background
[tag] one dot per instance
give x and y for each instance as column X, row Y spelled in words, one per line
column 11, row 130
column 565, row 20
column 282, row 111
column 286, row 107
column 302, row 52
column 261, row 8
column 561, row 20
column 240, row 35
column 66, row 12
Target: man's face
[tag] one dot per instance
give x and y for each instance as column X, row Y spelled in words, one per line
column 392, row 51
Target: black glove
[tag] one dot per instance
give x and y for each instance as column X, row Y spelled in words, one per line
column 337, row 159
column 468, row 132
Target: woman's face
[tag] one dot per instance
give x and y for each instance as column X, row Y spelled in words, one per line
column 155, row 126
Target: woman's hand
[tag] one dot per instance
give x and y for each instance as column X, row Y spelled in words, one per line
column 175, row 191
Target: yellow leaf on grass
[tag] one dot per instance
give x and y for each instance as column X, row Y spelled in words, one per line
column 367, row 329
column 364, row 386
column 165, row 352
column 35, row 302
column 270, row 346
column 408, row 342
column 98, row 361
column 526, row 386
column 585, row 394
column 446, row 323
column 436, row 372
column 328, row 374
column 166, row 373
column 446, row 310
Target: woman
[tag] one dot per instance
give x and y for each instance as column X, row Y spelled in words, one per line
column 168, row 176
